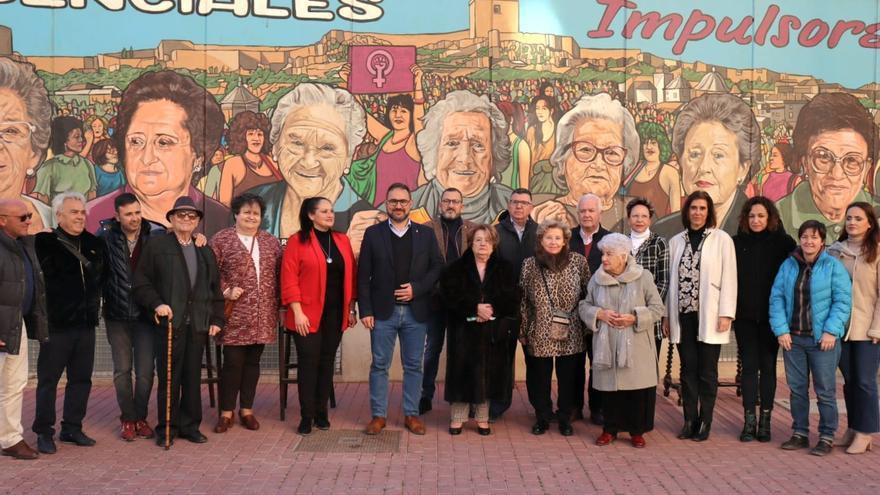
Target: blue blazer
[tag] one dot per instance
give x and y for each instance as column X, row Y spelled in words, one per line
column 830, row 296
column 376, row 271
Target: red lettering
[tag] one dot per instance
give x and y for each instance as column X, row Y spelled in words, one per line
column 652, row 21
column 612, row 7
column 813, row 33
column 786, row 22
column 870, row 38
column 842, row 27
column 766, row 23
column 725, row 35
column 689, row 34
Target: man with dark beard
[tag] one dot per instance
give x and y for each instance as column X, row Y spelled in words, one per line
column 451, row 232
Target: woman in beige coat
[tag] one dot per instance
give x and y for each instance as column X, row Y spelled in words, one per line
column 621, row 307
column 859, row 250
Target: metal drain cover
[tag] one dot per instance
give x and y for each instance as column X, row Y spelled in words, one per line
column 350, row 441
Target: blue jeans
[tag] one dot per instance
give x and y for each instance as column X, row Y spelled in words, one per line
column 412, row 349
column 804, row 359
column 858, row 364
column 433, row 348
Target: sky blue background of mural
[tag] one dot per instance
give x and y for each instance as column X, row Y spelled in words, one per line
column 95, row 30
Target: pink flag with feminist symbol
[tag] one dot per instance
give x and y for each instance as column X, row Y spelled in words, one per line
column 381, row 69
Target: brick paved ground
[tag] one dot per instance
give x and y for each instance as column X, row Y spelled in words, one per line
column 511, row 461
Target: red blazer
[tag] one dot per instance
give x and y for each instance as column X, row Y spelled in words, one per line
column 304, row 278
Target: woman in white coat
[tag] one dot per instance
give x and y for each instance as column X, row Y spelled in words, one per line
column 701, row 305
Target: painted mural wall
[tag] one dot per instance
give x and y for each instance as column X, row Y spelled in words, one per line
column 341, row 98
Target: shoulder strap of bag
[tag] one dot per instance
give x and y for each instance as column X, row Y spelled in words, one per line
column 546, row 287
column 66, row 244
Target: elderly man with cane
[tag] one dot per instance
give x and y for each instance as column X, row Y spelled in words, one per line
column 179, row 285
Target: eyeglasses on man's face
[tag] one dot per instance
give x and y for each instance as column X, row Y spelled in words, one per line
column 398, row 202
column 186, row 215
column 585, row 152
column 520, row 202
column 451, row 202
column 21, row 218
column 823, row 161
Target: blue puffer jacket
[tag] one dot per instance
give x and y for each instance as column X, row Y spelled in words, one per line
column 830, row 296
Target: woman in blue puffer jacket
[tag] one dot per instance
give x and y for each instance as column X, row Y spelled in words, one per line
column 809, row 310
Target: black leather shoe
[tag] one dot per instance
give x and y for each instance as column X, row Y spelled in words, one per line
column 597, row 418
column 424, row 405
column 305, row 427
column 455, row 431
column 763, row 434
column 565, row 428
column 796, row 442
column 822, row 448
column 484, row 431
column 750, row 427
column 702, row 434
column 77, row 438
column 321, row 421
column 46, row 444
column 687, row 430
column 194, row 437
column 540, row 427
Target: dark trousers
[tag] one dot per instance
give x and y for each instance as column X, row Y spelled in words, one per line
column 433, row 348
column 759, row 350
column 539, row 375
column 187, row 349
column 858, row 364
column 239, row 376
column 594, row 398
column 315, row 360
column 72, row 349
column 498, row 407
column 699, row 371
column 132, row 346
column 629, row 410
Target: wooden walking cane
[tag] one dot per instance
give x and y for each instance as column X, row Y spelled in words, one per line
column 167, row 387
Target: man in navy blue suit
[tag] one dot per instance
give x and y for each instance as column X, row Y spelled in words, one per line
column 398, row 265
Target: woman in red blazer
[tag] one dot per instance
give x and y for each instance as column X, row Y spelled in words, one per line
column 318, row 285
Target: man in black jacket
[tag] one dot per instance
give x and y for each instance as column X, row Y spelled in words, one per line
column 398, row 266
column 131, row 338
column 517, row 235
column 584, row 240
column 22, row 316
column 73, row 263
column 176, row 280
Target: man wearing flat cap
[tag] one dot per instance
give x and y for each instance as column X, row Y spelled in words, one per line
column 177, row 281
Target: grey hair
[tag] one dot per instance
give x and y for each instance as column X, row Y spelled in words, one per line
column 58, row 201
column 309, row 94
column 552, row 223
column 731, row 112
column 22, row 79
column 587, row 196
column 428, row 140
column 594, row 107
column 615, row 243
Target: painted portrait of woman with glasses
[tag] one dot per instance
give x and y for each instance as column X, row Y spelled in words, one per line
column 834, row 145
column 597, row 145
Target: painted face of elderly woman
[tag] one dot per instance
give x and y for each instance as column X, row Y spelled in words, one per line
column 715, row 137
column 312, row 150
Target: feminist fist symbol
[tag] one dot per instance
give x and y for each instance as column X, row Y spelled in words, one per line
column 379, row 64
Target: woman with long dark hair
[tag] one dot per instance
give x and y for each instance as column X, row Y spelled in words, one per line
column 859, row 249
column 761, row 247
column 318, row 286
column 701, row 305
column 541, row 134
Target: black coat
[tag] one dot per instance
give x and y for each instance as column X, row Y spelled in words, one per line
column 118, row 303
column 12, row 287
column 510, row 248
column 161, row 277
column 758, row 258
column 376, row 272
column 73, row 290
column 477, row 354
column 576, row 245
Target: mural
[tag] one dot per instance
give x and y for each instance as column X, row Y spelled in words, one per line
column 564, row 97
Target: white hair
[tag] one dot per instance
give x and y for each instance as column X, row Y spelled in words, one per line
column 428, row 140
column 58, row 201
column 594, row 107
column 615, row 243
column 310, row 94
column 589, row 196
